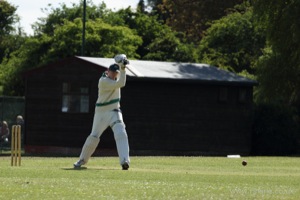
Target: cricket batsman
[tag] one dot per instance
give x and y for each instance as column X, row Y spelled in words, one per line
column 108, row 114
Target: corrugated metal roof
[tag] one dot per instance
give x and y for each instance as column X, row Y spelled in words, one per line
column 174, row 70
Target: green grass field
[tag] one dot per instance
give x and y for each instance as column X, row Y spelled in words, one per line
column 152, row 178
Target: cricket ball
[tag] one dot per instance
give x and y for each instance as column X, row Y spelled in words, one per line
column 244, row 163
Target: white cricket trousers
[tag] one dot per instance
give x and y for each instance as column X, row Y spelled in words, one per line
column 114, row 119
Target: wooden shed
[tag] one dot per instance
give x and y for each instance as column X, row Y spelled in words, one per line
column 169, row 108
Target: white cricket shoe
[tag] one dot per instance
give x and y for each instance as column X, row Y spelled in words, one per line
column 78, row 163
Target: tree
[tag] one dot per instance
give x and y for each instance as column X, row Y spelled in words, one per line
column 279, row 67
column 168, row 47
column 192, row 17
column 233, row 42
column 141, row 6
column 30, row 54
column 10, row 38
column 7, row 19
column 102, row 40
column 159, row 41
column 278, row 75
column 155, row 7
column 57, row 16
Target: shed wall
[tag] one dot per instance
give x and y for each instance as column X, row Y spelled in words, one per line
column 46, row 124
column 187, row 118
column 174, row 117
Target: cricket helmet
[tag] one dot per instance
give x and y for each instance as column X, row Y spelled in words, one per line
column 114, row 68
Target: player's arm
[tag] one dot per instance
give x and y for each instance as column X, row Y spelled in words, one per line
column 109, row 84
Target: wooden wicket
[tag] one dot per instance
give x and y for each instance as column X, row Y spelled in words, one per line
column 16, row 145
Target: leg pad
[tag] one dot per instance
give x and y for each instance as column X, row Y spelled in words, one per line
column 121, row 142
column 89, row 147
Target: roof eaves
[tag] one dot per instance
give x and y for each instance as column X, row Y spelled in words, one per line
column 186, row 80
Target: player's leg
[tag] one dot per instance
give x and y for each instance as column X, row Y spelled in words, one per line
column 92, row 140
column 88, row 149
column 122, row 144
column 121, row 139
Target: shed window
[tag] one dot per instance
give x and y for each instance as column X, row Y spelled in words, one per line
column 75, row 98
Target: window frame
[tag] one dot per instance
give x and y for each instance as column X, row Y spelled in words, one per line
column 75, row 98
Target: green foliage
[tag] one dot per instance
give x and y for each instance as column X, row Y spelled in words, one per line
column 148, row 27
column 273, row 66
column 161, row 178
column 58, row 16
column 9, row 40
column 232, row 43
column 102, row 40
column 168, row 47
column 162, row 48
column 191, row 17
column 281, row 60
column 119, row 39
column 7, row 18
column 159, row 42
column 141, row 7
column 59, row 35
column 9, row 44
column 276, row 131
column 281, row 20
column 31, row 54
column 66, row 40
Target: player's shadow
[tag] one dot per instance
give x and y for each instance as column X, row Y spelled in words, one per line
column 85, row 168
column 75, row 169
